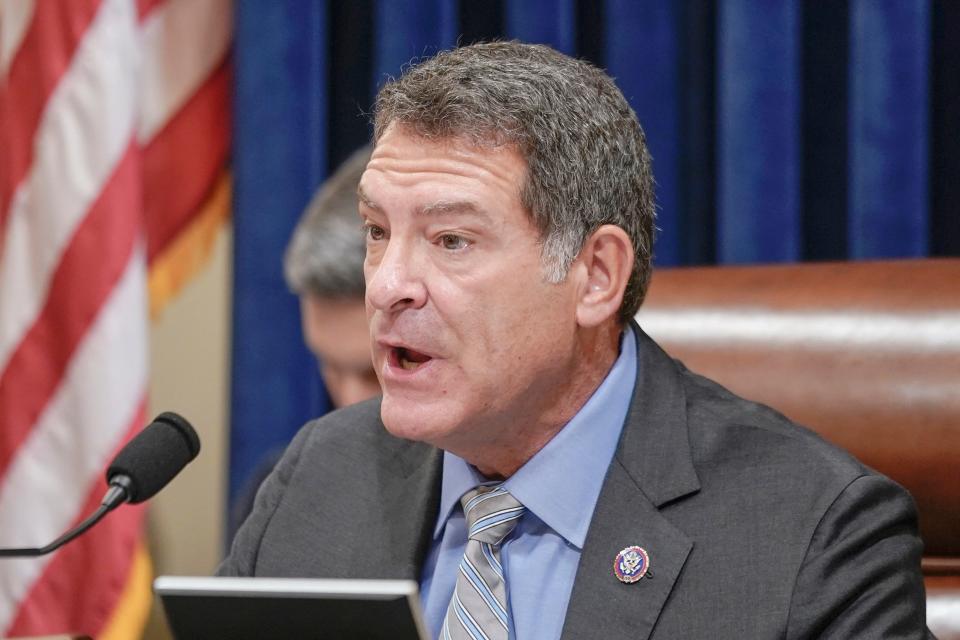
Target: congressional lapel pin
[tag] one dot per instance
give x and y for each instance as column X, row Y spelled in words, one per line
column 631, row 564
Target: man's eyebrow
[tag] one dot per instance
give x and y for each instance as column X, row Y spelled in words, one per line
column 365, row 199
column 450, row 207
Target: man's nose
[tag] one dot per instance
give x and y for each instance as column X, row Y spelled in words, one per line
column 396, row 281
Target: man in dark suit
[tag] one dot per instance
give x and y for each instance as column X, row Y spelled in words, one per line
column 508, row 208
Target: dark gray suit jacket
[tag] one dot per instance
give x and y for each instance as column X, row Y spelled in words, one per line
column 755, row 527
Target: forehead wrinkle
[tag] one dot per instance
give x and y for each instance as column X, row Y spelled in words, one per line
column 438, row 208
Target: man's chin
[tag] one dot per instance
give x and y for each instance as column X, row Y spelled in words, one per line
column 418, row 421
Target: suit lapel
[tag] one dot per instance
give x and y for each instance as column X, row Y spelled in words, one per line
column 411, row 508
column 652, row 466
column 602, row 606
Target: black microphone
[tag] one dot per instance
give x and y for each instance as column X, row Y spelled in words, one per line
column 152, row 459
column 144, row 466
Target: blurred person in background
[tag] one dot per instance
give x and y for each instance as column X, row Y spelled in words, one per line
column 323, row 265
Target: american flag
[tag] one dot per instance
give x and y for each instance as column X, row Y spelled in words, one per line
column 114, row 134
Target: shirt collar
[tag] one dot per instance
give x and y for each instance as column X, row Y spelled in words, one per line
column 559, row 484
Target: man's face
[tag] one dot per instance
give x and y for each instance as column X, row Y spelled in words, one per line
column 471, row 344
column 336, row 332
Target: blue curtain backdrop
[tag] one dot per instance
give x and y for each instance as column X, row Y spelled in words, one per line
column 780, row 130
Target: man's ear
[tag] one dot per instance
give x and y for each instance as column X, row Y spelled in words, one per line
column 606, row 263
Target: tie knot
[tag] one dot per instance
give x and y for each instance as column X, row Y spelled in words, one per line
column 491, row 513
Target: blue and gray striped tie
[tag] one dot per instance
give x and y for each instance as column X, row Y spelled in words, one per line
column 478, row 609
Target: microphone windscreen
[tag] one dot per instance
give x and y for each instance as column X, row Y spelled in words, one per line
column 155, row 456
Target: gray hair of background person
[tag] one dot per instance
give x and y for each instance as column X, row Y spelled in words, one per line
column 587, row 157
column 326, row 252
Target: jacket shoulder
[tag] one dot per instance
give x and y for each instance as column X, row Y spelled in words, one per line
column 726, row 427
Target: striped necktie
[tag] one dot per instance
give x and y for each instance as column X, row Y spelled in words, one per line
column 478, row 609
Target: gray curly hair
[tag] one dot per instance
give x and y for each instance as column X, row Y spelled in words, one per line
column 326, row 252
column 587, row 158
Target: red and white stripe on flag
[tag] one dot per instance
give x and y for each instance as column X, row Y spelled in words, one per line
column 114, row 129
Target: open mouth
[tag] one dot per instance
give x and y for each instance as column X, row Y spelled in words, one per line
column 407, row 359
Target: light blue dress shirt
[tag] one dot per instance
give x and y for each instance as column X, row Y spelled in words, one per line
column 559, row 487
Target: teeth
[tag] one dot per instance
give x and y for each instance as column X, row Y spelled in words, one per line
column 407, row 364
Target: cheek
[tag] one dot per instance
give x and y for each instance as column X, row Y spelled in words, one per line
column 498, row 319
column 509, row 323
column 542, row 323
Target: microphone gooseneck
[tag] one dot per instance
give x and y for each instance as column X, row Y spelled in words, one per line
column 142, row 468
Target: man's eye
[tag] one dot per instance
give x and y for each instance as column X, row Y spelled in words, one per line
column 452, row 242
column 374, row 232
